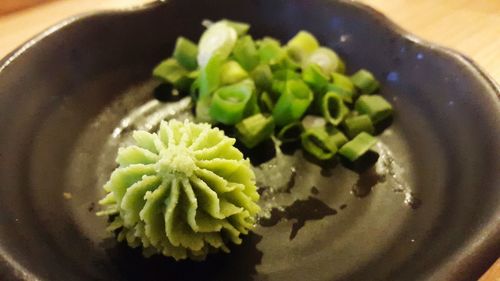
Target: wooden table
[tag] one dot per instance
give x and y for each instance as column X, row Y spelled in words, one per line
column 471, row 27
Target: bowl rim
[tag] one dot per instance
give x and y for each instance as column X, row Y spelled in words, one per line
column 478, row 246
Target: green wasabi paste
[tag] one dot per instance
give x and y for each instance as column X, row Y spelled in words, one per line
column 183, row 192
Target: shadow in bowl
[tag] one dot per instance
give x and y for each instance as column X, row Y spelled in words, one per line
column 131, row 265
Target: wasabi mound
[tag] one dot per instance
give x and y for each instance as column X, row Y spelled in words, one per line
column 183, row 192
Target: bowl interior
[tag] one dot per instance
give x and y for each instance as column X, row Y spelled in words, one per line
column 68, row 102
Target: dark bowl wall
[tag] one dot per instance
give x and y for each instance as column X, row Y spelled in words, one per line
column 53, row 89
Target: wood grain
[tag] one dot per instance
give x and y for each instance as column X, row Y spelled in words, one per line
column 471, row 27
column 493, row 274
column 9, row 6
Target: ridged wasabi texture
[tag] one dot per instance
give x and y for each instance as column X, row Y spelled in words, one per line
column 184, row 192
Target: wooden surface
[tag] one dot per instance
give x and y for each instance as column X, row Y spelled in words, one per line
column 493, row 273
column 469, row 26
column 9, row 6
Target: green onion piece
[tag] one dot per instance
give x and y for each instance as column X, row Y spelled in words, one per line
column 202, row 110
column 314, row 77
column 346, row 96
column 365, row 82
column 266, row 102
column 194, row 74
column 240, row 27
column 281, row 77
column 278, row 88
column 293, row 103
column 270, row 51
column 232, row 72
column 245, row 53
column 218, row 39
column 253, row 104
column 229, row 103
column 357, row 146
column 184, row 84
column 336, row 136
column 343, row 82
column 253, row 130
column 285, row 74
column 333, row 108
column 210, row 76
column 262, row 76
column 185, row 53
column 291, row 132
column 375, row 106
column 313, row 121
column 194, row 90
column 172, row 72
column 301, row 45
column 326, row 59
column 317, row 143
column 286, row 63
column 340, row 67
column 357, row 124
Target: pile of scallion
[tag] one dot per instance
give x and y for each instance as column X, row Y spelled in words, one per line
column 263, row 88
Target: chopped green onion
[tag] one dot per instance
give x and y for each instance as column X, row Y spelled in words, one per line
column 240, row 27
column 333, row 108
column 314, row 77
column 184, row 84
column 365, row 82
column 293, row 103
column 336, row 136
column 210, row 76
column 232, row 72
column 218, row 39
column 291, row 132
column 202, row 110
column 286, row 63
column 375, row 106
column 172, row 72
column 253, row 130
column 231, row 76
column 185, row 53
column 253, row 104
column 346, row 96
column 245, row 53
column 278, row 88
column 357, row 146
column 194, row 89
column 357, row 124
column 313, row 121
column 266, row 102
column 340, row 67
column 194, row 74
column 280, row 78
column 262, row 76
column 317, row 142
column 343, row 82
column 326, row 59
column 302, row 45
column 270, row 51
column 285, row 74
column 229, row 103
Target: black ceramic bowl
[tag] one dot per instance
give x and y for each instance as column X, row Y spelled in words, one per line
column 71, row 96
